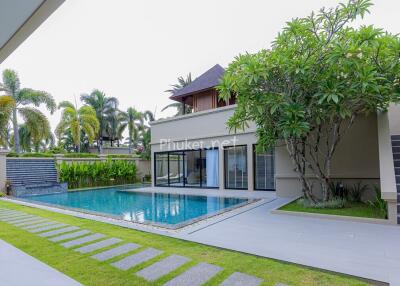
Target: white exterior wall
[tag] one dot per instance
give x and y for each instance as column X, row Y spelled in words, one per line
column 356, row 159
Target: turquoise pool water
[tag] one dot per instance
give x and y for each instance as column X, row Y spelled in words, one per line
column 169, row 210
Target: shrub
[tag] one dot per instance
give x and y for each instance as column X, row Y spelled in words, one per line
column 2, row 194
column 36, row 155
column 107, row 173
column 120, row 156
column 338, row 190
column 379, row 203
column 12, row 154
column 81, row 155
column 356, row 192
column 336, row 203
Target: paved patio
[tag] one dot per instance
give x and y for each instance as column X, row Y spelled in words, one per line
column 366, row 250
column 36, row 273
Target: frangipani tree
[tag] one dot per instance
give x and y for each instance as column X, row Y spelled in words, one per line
column 23, row 97
column 77, row 120
column 308, row 89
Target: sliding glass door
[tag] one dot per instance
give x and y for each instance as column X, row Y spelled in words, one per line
column 264, row 170
column 189, row 168
column 235, row 167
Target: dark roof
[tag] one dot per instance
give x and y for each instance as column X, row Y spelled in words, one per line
column 207, row 80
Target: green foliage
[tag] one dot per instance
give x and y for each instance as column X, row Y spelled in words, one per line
column 335, row 203
column 99, row 173
column 356, row 192
column 2, row 194
column 37, row 155
column 120, row 156
column 338, row 190
column 307, row 90
column 182, row 82
column 76, row 121
column 81, row 155
column 12, row 154
column 379, row 203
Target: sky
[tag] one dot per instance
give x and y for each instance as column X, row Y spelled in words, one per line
column 134, row 50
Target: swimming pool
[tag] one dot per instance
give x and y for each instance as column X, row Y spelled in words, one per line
column 167, row 210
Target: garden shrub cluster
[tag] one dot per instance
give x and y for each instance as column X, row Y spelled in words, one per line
column 81, row 155
column 345, row 196
column 106, row 173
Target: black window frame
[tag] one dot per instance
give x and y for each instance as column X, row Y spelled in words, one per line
column 184, row 180
column 225, row 169
column 254, row 171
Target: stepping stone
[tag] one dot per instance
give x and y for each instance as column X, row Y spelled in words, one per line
column 32, row 222
column 14, row 220
column 39, row 225
column 14, row 216
column 137, row 258
column 98, row 245
column 240, row 279
column 69, row 235
column 49, row 227
column 195, row 276
column 58, row 231
column 24, row 220
column 82, row 240
column 163, row 267
column 119, row 250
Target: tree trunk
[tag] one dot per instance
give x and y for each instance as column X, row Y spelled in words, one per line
column 16, row 133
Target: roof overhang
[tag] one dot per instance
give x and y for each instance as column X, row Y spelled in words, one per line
column 19, row 19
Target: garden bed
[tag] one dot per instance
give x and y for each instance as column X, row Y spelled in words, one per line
column 361, row 210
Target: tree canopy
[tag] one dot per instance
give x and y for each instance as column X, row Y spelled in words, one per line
column 320, row 74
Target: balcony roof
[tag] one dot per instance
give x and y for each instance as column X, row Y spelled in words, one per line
column 207, row 80
column 19, row 19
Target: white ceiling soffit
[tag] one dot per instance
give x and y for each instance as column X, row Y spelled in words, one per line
column 18, row 20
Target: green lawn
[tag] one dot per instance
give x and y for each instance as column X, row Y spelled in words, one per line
column 355, row 210
column 91, row 272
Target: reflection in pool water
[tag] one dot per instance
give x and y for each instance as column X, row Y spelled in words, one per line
column 157, row 208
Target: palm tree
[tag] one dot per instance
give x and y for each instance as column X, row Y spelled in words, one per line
column 35, row 130
column 76, row 120
column 182, row 82
column 102, row 105
column 23, row 97
column 130, row 119
column 6, row 106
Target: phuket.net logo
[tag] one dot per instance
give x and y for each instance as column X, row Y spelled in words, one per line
column 168, row 144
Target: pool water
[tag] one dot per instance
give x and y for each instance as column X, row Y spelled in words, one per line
column 170, row 210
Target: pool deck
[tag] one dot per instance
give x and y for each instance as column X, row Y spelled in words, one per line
column 366, row 250
column 14, row 262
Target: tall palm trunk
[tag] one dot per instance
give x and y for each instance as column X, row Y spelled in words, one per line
column 16, row 133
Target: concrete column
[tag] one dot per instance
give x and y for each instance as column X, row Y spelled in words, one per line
column 3, row 174
column 221, row 174
column 250, row 177
column 392, row 211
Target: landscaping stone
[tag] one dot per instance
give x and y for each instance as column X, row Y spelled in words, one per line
column 117, row 251
column 32, row 222
column 49, row 227
column 195, row 276
column 39, row 225
column 58, row 231
column 137, row 258
column 14, row 216
column 98, row 245
column 82, row 240
column 24, row 220
column 69, row 235
column 18, row 219
column 163, row 267
column 240, row 279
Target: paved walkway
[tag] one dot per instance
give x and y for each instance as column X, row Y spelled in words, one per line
column 85, row 242
column 14, row 262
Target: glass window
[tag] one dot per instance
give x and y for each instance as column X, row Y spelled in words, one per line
column 176, row 177
column 210, row 168
column 161, row 168
column 235, row 167
column 193, row 168
column 264, row 171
